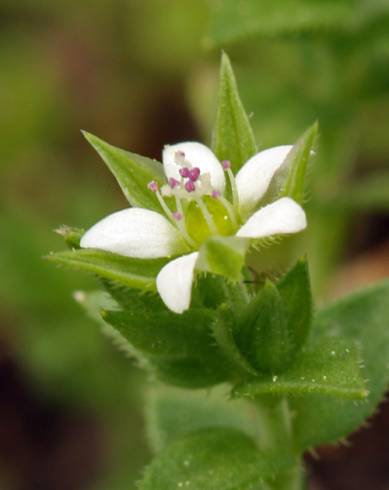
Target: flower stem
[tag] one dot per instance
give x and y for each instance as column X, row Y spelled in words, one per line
column 276, row 436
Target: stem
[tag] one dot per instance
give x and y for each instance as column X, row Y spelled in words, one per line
column 276, row 435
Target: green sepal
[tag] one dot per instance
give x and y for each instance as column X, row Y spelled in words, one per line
column 295, row 291
column 213, row 459
column 193, row 373
column 130, row 299
column 224, row 256
column 297, row 165
column 330, row 368
column 164, row 334
column 130, row 272
column 223, row 331
column 71, row 235
column 133, row 172
column 264, row 338
column 180, row 348
column 360, row 317
column 233, row 137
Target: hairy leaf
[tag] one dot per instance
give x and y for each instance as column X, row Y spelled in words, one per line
column 361, row 317
column 214, row 459
column 330, row 368
column 233, row 137
column 171, row 413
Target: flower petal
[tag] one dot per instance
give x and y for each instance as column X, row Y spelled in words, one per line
column 198, row 155
column 174, row 282
column 135, row 232
column 280, row 217
column 254, row 178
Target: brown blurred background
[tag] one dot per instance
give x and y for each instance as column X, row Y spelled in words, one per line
column 142, row 74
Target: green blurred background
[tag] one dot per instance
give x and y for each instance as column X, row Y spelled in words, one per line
column 141, row 74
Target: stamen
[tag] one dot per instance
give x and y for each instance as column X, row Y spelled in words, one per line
column 226, row 164
column 175, row 217
column 207, row 216
column 230, row 210
column 173, row 182
column 194, row 174
column 165, row 207
column 190, row 186
column 184, row 172
column 181, row 223
column 215, row 194
column 153, row 186
column 234, row 189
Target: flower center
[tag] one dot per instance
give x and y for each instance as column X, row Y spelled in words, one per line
column 194, row 206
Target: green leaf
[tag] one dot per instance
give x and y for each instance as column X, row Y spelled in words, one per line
column 361, row 317
column 329, row 368
column 297, row 163
column 295, row 292
column 213, row 459
column 224, row 256
column 172, row 413
column 133, row 172
column 134, row 273
column 71, row 235
column 233, row 137
column 265, row 341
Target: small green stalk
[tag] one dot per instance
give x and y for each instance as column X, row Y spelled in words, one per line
column 276, row 435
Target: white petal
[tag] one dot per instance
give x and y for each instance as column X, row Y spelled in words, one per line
column 174, row 282
column 135, row 232
column 198, row 155
column 280, row 217
column 254, row 178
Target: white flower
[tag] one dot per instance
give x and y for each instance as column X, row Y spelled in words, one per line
column 194, row 177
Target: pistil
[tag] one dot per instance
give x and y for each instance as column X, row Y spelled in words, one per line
column 175, row 217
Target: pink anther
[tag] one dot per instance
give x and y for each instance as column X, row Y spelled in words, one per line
column 184, row 172
column 173, row 182
column 194, row 174
column 177, row 216
column 153, row 186
column 189, row 186
column 226, row 164
column 215, row 194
